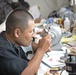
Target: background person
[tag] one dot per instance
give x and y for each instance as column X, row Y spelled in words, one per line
column 24, row 4
column 6, row 6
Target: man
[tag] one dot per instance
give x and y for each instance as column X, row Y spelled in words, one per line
column 19, row 31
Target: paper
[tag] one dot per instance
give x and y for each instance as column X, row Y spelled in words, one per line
column 53, row 59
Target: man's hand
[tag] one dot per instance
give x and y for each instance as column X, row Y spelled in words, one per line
column 45, row 43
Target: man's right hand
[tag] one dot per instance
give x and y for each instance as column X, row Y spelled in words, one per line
column 44, row 43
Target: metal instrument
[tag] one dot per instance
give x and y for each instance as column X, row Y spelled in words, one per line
column 54, row 30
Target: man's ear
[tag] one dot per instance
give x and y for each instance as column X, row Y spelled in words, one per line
column 16, row 33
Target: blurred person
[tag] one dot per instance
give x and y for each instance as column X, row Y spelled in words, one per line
column 24, row 4
column 5, row 8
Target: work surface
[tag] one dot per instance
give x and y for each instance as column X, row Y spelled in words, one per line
column 53, row 60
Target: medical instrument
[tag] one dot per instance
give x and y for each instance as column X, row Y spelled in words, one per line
column 55, row 31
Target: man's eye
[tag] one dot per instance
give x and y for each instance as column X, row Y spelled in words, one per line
column 31, row 31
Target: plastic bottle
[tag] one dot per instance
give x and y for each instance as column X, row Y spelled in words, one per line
column 67, row 24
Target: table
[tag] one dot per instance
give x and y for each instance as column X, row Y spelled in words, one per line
column 54, row 56
column 52, row 61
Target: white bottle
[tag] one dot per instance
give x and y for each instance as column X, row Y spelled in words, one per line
column 67, row 24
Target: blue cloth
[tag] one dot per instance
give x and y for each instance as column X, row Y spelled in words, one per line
column 12, row 59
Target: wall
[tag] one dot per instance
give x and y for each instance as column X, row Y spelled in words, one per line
column 47, row 6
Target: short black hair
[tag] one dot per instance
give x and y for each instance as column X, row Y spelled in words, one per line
column 18, row 18
column 24, row 4
column 15, row 5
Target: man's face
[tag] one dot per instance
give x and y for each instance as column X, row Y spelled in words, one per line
column 26, row 37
